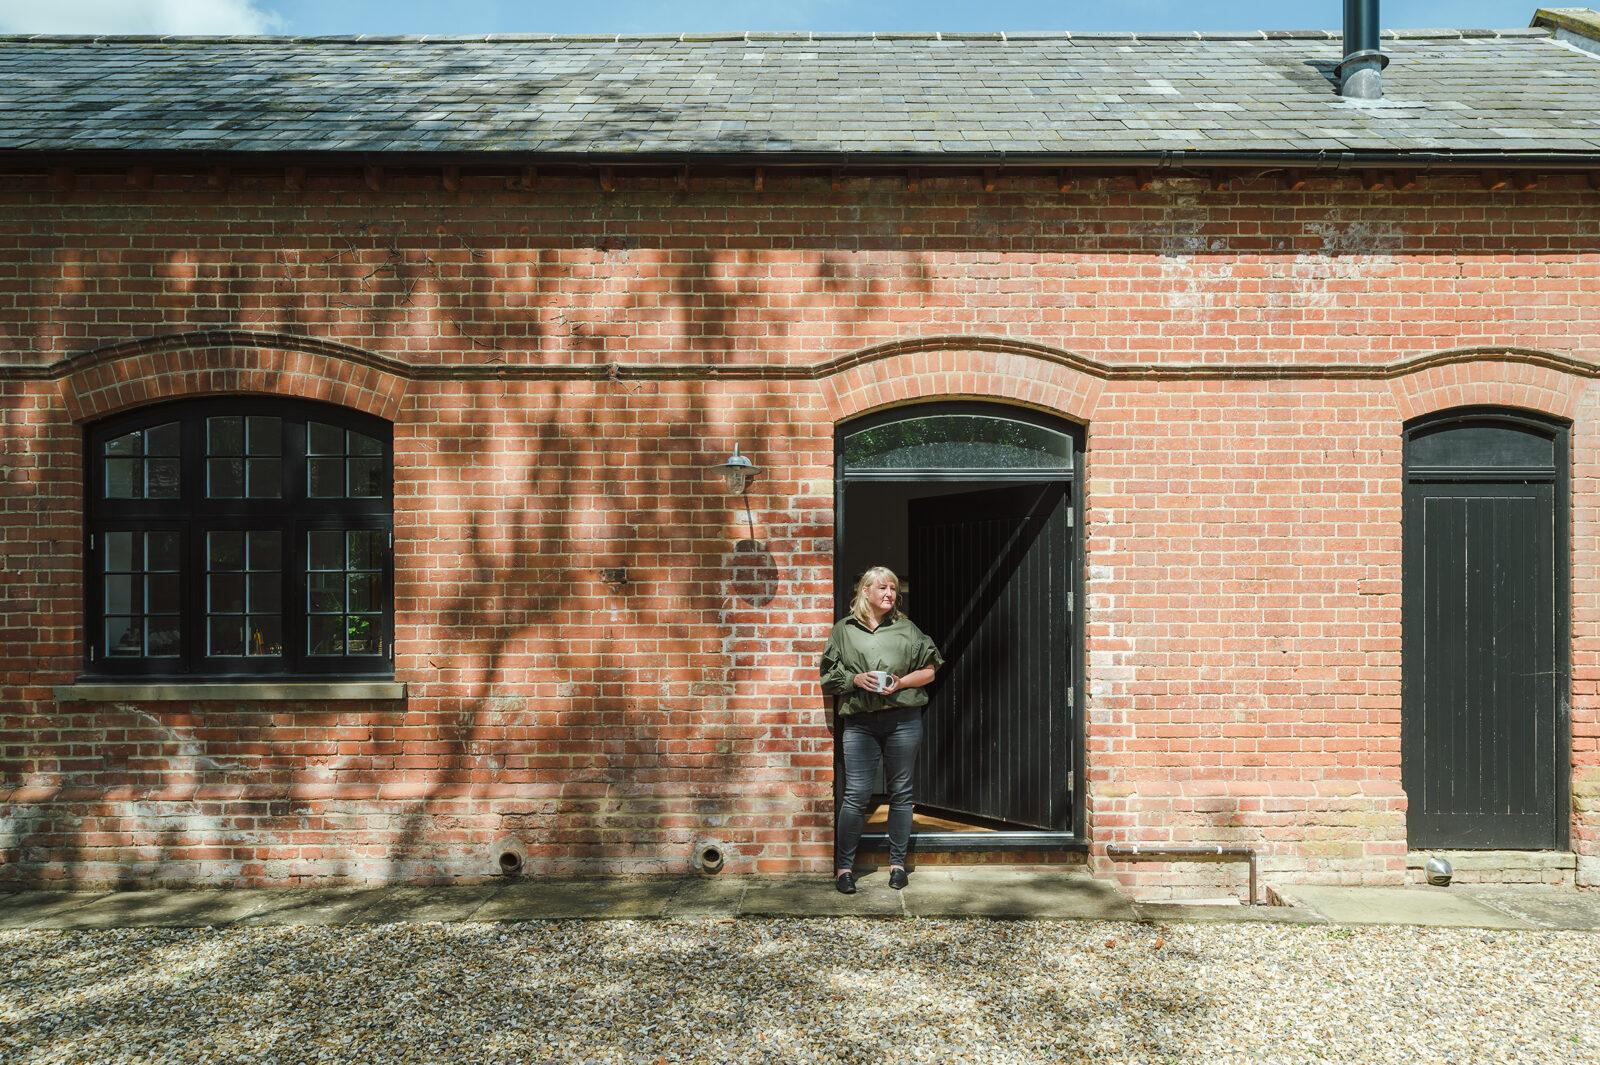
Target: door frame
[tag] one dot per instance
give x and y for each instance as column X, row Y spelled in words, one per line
column 1560, row 433
column 1072, row 477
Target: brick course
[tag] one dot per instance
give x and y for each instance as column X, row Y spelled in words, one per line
column 563, row 366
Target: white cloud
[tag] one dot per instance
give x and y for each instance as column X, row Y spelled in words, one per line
column 137, row 16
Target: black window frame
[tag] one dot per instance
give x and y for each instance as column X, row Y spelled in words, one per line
column 294, row 513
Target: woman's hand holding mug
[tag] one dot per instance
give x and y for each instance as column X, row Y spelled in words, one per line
column 878, row 681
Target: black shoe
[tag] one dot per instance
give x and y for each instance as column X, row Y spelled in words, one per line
column 846, row 883
column 897, row 878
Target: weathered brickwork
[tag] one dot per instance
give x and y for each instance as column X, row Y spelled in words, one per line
column 607, row 660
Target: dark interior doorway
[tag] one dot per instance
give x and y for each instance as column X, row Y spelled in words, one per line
column 975, row 506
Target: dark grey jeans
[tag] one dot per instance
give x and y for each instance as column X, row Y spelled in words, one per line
column 893, row 737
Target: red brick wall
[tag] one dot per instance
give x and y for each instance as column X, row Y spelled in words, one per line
column 1243, row 360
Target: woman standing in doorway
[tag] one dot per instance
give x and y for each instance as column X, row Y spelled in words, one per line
column 878, row 662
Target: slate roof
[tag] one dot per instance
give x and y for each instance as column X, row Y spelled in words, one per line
column 794, row 95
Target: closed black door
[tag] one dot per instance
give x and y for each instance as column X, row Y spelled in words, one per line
column 990, row 583
column 1482, row 668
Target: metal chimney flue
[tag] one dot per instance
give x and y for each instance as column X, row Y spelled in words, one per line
column 1360, row 73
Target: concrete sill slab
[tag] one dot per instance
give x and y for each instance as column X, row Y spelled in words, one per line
column 563, row 899
column 1047, row 894
column 1546, row 907
column 1186, row 913
column 1429, row 906
column 231, row 691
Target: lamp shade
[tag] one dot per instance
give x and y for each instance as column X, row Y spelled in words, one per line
column 739, row 471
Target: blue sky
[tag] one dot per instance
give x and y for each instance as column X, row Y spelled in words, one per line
column 640, row 16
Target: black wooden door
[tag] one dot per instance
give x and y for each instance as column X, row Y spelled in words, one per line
column 1480, row 673
column 990, row 581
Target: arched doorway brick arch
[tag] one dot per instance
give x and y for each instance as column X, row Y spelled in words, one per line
column 961, row 373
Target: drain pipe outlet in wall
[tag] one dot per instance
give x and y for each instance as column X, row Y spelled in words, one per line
column 510, row 855
column 1360, row 73
column 709, row 856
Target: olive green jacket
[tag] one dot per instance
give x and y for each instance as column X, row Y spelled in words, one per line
column 897, row 646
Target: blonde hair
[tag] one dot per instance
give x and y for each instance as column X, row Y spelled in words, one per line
column 859, row 608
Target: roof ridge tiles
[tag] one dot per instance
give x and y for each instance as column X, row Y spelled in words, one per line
column 759, row 36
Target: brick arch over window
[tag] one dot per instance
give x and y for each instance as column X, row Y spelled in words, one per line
column 179, row 366
column 1489, row 382
column 886, row 378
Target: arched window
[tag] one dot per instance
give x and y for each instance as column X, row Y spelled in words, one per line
column 237, row 537
column 970, row 438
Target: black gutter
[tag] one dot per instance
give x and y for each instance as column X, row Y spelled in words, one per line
column 1162, row 160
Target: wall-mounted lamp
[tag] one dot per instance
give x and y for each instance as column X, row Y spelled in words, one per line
column 739, row 471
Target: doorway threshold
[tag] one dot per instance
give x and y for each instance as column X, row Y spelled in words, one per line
column 981, row 841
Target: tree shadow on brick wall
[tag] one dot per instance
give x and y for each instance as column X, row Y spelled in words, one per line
column 629, row 761
column 623, row 742
column 550, row 646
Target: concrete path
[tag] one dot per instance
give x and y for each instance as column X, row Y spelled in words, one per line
column 953, row 892
column 1467, row 906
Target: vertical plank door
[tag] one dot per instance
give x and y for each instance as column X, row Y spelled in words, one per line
column 991, row 573
column 1480, row 668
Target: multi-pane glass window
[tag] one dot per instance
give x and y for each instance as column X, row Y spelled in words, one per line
column 142, row 464
column 345, row 575
column 234, row 536
column 342, row 462
column 141, row 594
column 244, row 593
column 244, row 457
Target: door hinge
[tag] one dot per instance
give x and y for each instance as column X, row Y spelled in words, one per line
column 91, row 541
column 1071, row 518
column 1071, row 779
column 391, row 541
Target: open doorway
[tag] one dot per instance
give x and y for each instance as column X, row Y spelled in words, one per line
column 976, row 507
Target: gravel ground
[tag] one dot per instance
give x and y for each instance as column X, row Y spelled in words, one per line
column 800, row 990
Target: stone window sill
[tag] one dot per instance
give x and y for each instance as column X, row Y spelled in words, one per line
column 122, row 691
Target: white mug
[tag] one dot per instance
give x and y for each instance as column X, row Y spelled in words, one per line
column 880, row 679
